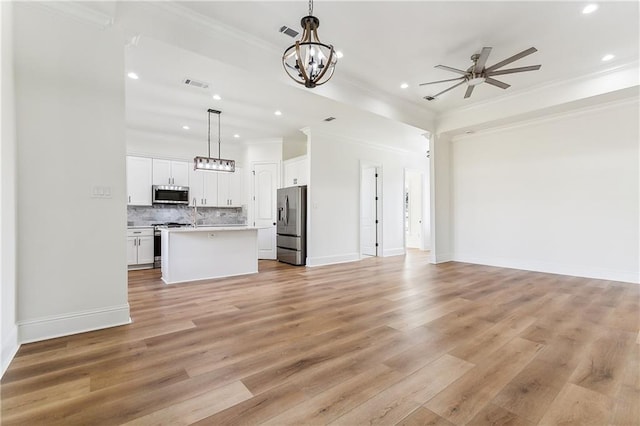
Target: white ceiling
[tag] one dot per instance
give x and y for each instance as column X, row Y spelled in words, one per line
column 385, row 43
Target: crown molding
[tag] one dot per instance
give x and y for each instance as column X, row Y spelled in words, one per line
column 213, row 25
column 78, row 11
column 361, row 142
column 582, row 110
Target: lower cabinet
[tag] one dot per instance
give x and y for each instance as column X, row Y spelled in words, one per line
column 140, row 248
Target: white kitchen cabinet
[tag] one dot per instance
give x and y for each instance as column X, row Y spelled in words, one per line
column 140, row 247
column 169, row 172
column 203, row 189
column 139, row 181
column 296, row 171
column 230, row 190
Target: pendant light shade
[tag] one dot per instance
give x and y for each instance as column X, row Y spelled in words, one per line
column 309, row 61
column 211, row 163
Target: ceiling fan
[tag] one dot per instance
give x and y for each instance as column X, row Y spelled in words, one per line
column 478, row 73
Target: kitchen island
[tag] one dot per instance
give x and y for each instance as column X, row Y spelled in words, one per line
column 190, row 254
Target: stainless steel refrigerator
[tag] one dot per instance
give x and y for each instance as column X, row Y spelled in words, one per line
column 292, row 225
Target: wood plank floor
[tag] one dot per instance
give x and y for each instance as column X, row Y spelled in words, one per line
column 382, row 341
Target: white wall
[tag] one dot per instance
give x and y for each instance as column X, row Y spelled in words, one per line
column 70, row 130
column 334, row 203
column 8, row 202
column 294, row 145
column 555, row 195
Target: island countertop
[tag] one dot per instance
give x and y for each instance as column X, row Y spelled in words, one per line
column 211, row 228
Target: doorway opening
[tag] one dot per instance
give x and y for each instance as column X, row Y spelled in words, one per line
column 370, row 211
column 417, row 226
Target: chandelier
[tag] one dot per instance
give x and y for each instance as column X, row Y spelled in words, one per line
column 309, row 61
column 211, row 163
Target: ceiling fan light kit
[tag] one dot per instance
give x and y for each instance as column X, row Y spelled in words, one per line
column 309, row 61
column 478, row 73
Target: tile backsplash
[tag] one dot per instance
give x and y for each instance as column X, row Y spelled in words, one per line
column 147, row 215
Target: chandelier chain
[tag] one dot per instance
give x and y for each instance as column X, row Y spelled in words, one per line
column 310, row 7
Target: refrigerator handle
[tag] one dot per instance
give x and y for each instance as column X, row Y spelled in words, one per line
column 286, row 210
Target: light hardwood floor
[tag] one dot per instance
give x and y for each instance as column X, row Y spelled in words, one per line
column 382, row 341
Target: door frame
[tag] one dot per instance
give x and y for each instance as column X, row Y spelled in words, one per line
column 421, row 175
column 379, row 240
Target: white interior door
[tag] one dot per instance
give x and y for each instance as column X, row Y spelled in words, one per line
column 369, row 211
column 413, row 208
column 265, row 186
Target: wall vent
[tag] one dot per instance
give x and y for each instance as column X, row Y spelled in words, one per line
column 196, row 83
column 329, row 119
column 288, row 31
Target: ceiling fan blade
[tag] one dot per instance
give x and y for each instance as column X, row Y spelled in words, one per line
column 484, row 55
column 496, row 83
column 444, row 91
column 440, row 81
column 469, row 91
column 513, row 58
column 444, row 67
column 512, row 70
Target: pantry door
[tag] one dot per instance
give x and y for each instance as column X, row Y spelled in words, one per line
column 265, row 187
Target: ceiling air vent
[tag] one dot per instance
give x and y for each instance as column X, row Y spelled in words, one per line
column 196, row 83
column 288, row 31
column 329, row 119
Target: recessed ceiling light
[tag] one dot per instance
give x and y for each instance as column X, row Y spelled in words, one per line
column 278, row 112
column 186, row 127
column 404, row 85
column 339, row 54
column 133, row 76
column 608, row 57
column 216, row 97
column 236, row 136
column 590, row 8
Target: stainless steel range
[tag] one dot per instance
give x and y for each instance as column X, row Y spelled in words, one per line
column 157, row 240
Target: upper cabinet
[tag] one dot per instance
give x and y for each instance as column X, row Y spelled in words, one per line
column 230, row 189
column 206, row 189
column 296, row 171
column 216, row 189
column 139, row 178
column 168, row 172
column 203, row 190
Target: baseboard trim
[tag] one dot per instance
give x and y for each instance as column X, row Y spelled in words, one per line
column 441, row 258
column 332, row 260
column 74, row 323
column 393, row 252
column 10, row 347
column 553, row 268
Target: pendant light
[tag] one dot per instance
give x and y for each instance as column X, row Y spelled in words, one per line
column 309, row 61
column 209, row 163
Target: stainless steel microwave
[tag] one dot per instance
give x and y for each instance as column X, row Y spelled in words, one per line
column 170, row 194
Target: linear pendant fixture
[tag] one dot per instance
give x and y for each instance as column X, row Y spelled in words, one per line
column 211, row 163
